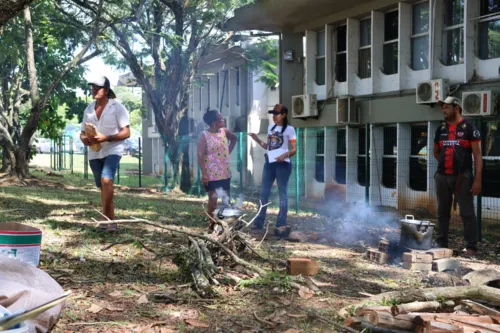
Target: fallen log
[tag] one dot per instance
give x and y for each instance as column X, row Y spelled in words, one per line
column 482, row 277
column 431, row 294
column 421, row 307
column 369, row 309
column 387, row 320
column 482, row 309
column 421, row 318
column 353, row 321
column 479, row 326
column 374, row 329
column 439, row 327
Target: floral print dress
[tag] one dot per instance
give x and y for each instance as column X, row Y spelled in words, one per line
column 217, row 160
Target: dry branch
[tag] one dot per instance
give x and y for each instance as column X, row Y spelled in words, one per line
column 482, row 309
column 421, row 307
column 432, row 294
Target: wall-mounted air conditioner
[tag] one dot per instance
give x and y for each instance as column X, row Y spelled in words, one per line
column 304, row 106
column 432, row 91
column 478, row 103
column 347, row 112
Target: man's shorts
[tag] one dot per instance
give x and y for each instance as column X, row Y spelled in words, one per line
column 104, row 168
column 215, row 184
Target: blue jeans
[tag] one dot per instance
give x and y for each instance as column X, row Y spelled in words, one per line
column 281, row 173
column 104, row 168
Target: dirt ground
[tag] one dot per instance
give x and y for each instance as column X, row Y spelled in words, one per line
column 128, row 288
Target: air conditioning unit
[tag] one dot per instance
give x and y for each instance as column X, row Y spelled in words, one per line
column 432, row 91
column 347, row 112
column 478, row 103
column 304, row 106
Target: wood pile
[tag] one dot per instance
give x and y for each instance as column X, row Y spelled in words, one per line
column 427, row 317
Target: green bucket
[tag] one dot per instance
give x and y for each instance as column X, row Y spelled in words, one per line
column 20, row 242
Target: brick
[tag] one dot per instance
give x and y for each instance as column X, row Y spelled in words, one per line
column 302, row 266
column 415, row 266
column 439, row 253
column 445, row 264
column 417, row 257
column 383, row 246
column 377, row 256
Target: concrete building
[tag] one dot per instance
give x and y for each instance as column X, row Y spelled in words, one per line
column 358, row 69
column 225, row 83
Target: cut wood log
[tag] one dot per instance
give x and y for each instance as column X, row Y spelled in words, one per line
column 421, row 307
column 369, row 309
column 482, row 277
column 421, row 318
column 374, row 329
column 479, row 326
column 431, row 294
column 481, row 309
column 438, row 327
column 387, row 320
column 354, row 321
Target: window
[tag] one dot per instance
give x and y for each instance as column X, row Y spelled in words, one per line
column 491, row 159
column 420, row 37
column 319, row 174
column 489, row 29
column 453, row 32
column 365, row 49
column 341, row 57
column 389, row 158
column 237, row 85
column 217, row 82
column 418, row 157
column 320, row 58
column 340, row 157
column 391, row 31
column 362, row 157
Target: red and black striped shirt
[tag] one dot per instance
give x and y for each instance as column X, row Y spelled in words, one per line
column 455, row 144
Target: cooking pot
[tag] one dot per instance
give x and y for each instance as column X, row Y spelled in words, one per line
column 416, row 234
column 228, row 214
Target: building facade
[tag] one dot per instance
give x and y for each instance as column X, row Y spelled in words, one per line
column 367, row 76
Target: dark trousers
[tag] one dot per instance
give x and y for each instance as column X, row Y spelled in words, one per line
column 445, row 190
column 281, row 173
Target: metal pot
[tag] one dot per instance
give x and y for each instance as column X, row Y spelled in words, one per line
column 228, row 214
column 416, row 234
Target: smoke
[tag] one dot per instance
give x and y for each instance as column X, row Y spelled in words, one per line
column 226, row 198
column 358, row 222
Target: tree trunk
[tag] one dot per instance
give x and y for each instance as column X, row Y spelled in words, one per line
column 178, row 154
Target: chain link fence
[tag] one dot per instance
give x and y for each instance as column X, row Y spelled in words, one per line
column 386, row 166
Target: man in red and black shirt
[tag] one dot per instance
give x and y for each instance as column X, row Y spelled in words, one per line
column 456, row 142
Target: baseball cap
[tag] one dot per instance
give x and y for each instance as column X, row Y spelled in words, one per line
column 279, row 109
column 451, row 100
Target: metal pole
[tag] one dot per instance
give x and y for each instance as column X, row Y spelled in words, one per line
column 72, row 154
column 140, row 166
column 165, row 164
column 479, row 206
column 367, row 164
column 297, row 173
column 50, row 156
column 240, row 159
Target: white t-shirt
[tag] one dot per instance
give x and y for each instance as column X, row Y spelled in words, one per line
column 276, row 139
column 114, row 117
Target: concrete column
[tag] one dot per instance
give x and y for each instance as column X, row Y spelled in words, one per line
column 471, row 11
column 329, row 56
column 330, row 152
column 292, row 73
column 309, row 160
column 377, row 49
column 404, row 43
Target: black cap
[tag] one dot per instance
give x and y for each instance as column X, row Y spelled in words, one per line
column 279, row 109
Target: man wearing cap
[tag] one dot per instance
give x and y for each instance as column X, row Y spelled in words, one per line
column 456, row 142
column 112, row 122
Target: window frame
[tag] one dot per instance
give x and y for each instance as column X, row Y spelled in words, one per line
column 339, row 53
column 319, row 130
column 417, row 157
column 392, row 41
column 447, row 29
column 238, row 85
column 361, row 156
column 416, row 36
column 344, row 156
column 365, row 47
column 209, row 88
column 390, row 156
column 320, row 57
column 217, row 81
column 487, row 18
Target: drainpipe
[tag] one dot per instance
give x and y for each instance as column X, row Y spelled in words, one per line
column 431, row 49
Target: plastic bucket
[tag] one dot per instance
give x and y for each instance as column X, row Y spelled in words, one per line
column 20, row 242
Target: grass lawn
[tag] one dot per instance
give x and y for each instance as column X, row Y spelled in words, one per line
column 117, row 278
